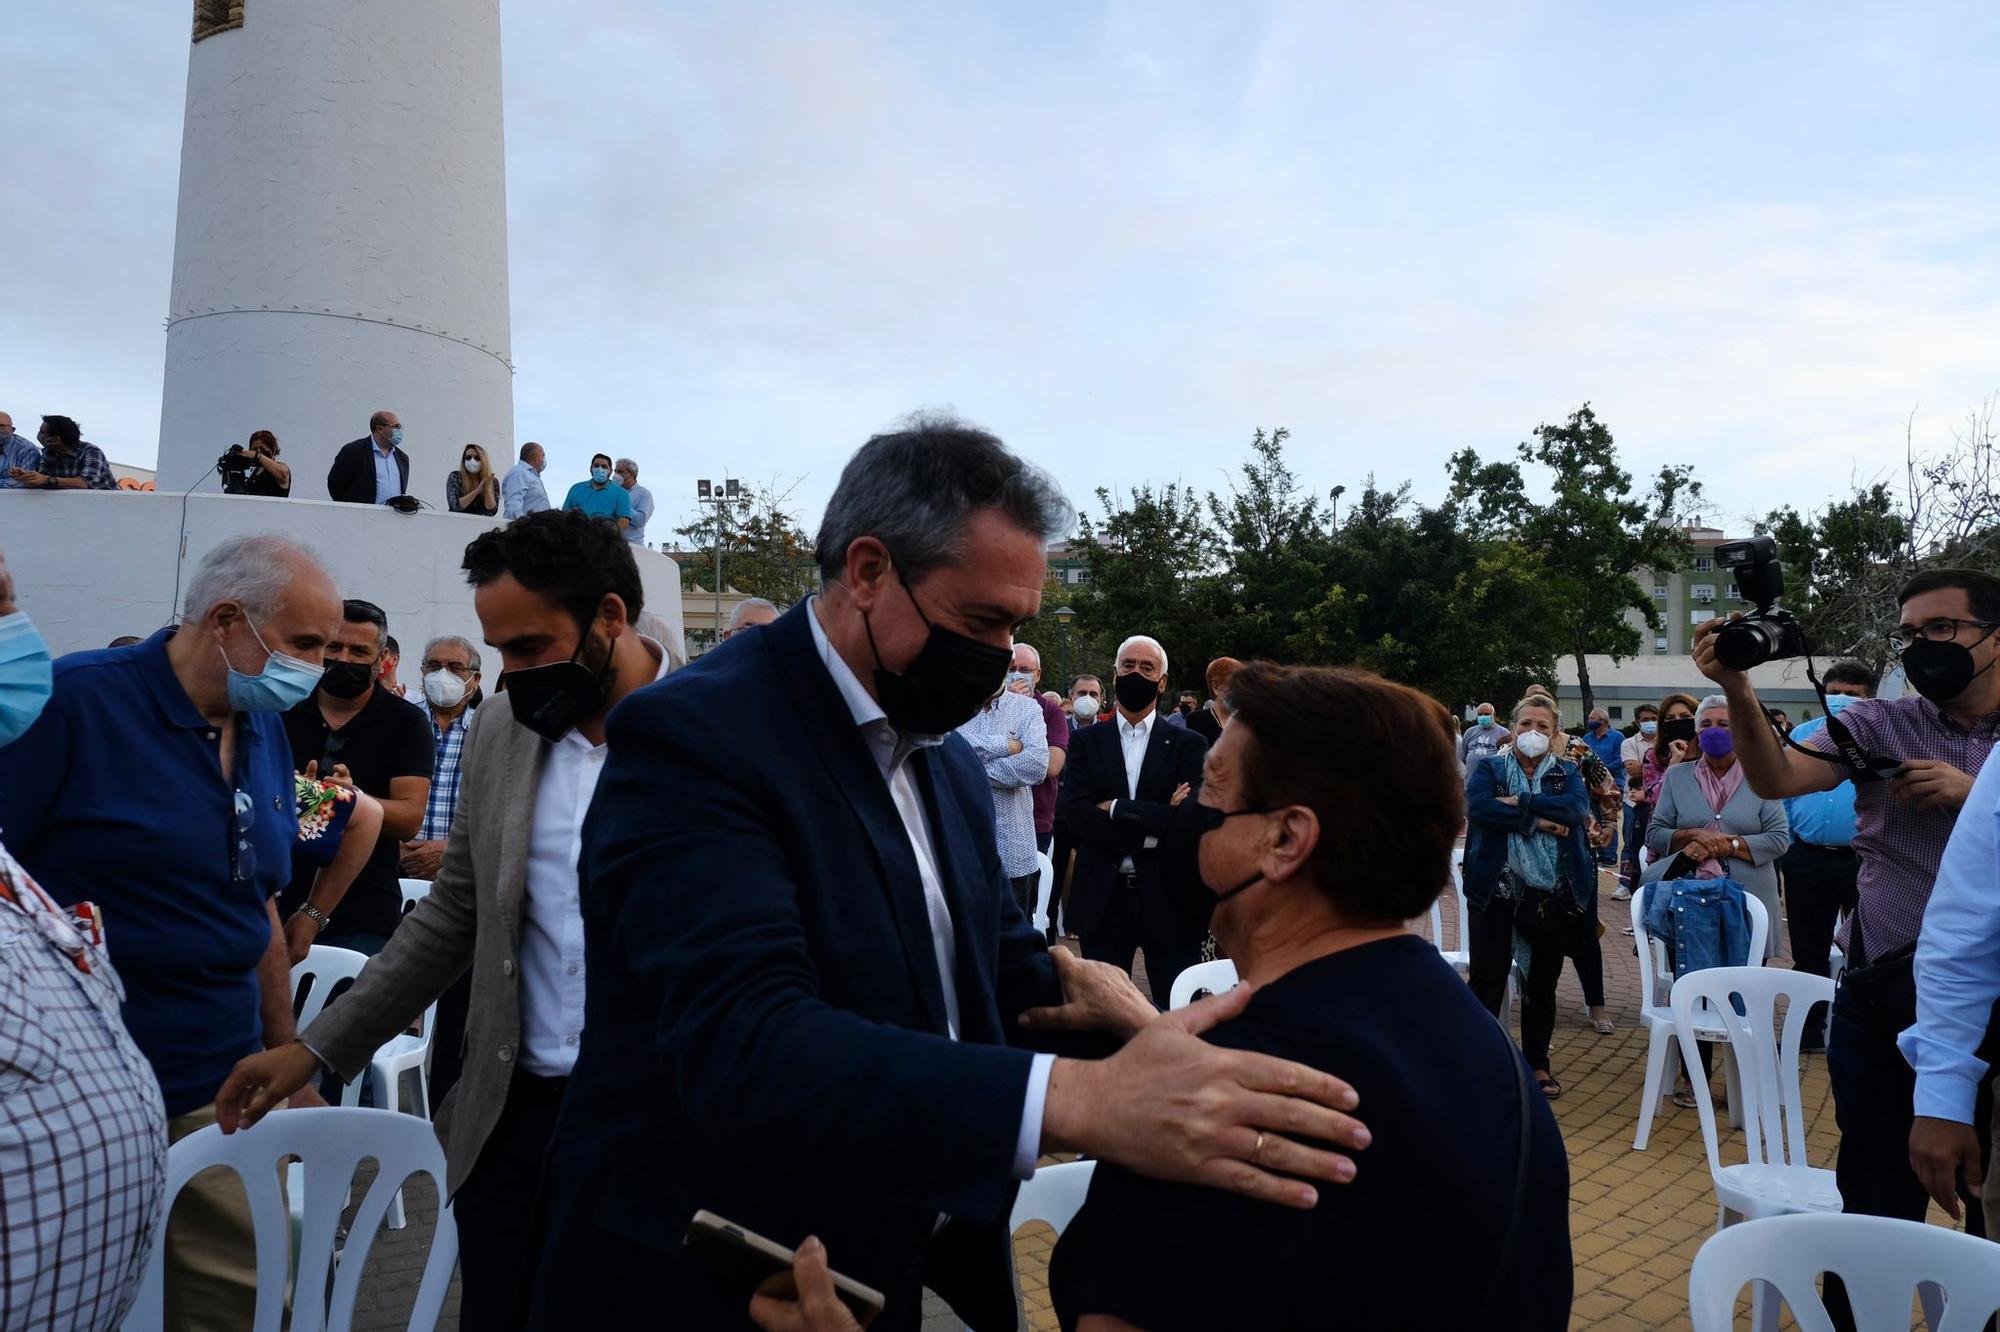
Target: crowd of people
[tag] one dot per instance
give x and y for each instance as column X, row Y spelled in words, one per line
column 755, row 936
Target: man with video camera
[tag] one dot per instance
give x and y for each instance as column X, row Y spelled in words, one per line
column 1912, row 760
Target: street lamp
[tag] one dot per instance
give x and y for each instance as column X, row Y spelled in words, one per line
column 721, row 494
column 1063, row 616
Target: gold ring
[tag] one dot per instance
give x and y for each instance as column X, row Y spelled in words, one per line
column 1258, row 1148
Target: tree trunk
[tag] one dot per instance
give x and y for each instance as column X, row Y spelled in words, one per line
column 1583, row 678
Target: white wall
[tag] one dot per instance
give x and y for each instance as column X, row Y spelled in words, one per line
column 90, row 566
column 342, row 239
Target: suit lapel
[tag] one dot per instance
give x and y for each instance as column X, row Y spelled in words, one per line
column 824, row 719
column 1158, row 761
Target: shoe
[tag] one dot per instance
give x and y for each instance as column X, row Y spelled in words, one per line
column 1621, row 893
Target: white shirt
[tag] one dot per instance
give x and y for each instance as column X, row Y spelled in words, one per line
column 1133, row 737
column 891, row 750
column 521, row 491
column 552, row 971
column 642, row 509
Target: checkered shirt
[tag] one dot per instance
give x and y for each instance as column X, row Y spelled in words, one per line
column 85, row 460
column 444, row 775
column 1900, row 845
column 83, row 1131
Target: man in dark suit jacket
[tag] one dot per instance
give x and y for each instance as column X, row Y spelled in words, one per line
column 805, row 974
column 361, row 471
column 1123, row 780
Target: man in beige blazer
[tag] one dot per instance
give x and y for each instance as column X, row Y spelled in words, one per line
column 557, row 595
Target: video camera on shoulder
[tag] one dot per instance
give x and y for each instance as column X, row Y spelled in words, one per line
column 1769, row 633
column 235, row 468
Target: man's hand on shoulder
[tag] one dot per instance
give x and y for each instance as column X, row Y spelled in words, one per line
column 1096, row 997
column 1171, row 1106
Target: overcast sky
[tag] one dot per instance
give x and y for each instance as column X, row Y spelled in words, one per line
column 1124, row 235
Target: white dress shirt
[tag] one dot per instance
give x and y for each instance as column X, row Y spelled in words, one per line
column 552, row 971
column 388, row 479
column 521, row 491
column 891, row 750
column 1133, row 737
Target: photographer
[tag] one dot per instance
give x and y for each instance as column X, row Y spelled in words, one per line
column 256, row 470
column 1935, row 743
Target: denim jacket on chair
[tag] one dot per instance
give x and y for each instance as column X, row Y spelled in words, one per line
column 1703, row 922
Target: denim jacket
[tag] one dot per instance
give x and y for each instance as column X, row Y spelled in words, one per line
column 1564, row 799
column 1703, row 922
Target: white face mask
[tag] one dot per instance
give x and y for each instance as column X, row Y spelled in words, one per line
column 443, row 689
column 1533, row 744
column 1085, row 707
column 472, row 466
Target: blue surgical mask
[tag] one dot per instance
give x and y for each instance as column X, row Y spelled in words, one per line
column 1649, row 728
column 1836, row 702
column 283, row 684
column 26, row 679
column 396, row 436
column 600, row 474
column 1018, row 677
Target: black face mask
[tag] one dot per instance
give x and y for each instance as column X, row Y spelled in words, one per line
column 1680, row 728
column 1134, row 692
column 550, row 700
column 347, row 679
column 1941, row 671
column 1180, row 860
column 947, row 683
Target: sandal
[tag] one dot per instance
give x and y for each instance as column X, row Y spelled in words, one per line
column 1685, row 1100
column 1551, row 1089
column 1603, row 1026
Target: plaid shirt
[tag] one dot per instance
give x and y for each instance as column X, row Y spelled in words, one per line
column 444, row 774
column 86, row 460
column 1900, row 845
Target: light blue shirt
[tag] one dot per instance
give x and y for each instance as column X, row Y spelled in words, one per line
column 18, row 451
column 1958, row 960
column 1014, row 777
column 891, row 748
column 388, row 480
column 521, row 491
column 1824, row 818
column 642, row 509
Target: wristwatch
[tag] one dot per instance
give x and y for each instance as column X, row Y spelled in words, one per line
column 49, row 483
column 316, row 916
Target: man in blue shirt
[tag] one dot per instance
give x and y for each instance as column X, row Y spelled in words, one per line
column 1821, row 868
column 16, row 451
column 521, row 489
column 627, row 473
column 158, row 784
column 601, row 497
column 1609, row 746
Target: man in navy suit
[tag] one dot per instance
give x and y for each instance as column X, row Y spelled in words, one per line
column 373, row 469
column 806, row 978
column 1120, row 789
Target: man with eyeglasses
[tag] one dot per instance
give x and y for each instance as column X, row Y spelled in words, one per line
column 354, row 728
column 157, row 783
column 450, row 674
column 1941, row 736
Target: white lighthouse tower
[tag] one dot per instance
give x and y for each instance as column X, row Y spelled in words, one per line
column 342, row 237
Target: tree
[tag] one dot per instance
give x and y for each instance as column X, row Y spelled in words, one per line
column 1275, row 543
column 765, row 553
column 1591, row 536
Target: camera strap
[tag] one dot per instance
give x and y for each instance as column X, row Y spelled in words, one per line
column 1861, row 766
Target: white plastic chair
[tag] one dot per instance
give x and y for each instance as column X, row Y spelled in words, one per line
column 1459, row 958
column 1045, row 887
column 325, row 975
column 1215, row 977
column 332, row 1142
column 1052, row 1195
column 1656, row 979
column 1877, row 1258
column 414, row 891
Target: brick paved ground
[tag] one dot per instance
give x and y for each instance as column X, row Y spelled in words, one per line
column 1636, row 1218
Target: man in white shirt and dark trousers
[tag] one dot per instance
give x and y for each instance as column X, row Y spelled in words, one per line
column 556, row 595
column 1011, row 737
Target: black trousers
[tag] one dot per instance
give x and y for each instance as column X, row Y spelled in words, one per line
column 1819, row 885
column 500, row 1212
column 1491, row 945
column 1060, row 848
column 1025, row 887
column 1136, row 920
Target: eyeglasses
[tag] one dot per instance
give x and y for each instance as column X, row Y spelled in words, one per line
column 1935, row 631
column 242, row 855
column 432, row 667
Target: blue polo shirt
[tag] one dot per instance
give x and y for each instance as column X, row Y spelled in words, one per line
column 1610, row 750
column 1824, row 818
column 610, row 501
column 116, row 796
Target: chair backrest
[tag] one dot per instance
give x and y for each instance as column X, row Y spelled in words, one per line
column 1052, row 1195
column 1045, row 886
column 331, row 1142
column 414, row 891
column 1880, row 1260
column 1767, row 1056
column 1457, row 889
column 1655, row 975
column 1215, row 977
column 324, row 976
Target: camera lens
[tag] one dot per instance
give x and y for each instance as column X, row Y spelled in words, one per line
column 1748, row 643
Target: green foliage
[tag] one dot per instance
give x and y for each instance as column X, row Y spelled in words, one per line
column 765, row 552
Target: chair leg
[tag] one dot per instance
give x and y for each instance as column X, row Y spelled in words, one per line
column 1764, row 1304
column 1656, row 1065
column 389, row 1095
column 1732, row 1079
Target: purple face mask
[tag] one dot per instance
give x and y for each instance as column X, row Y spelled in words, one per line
column 1717, row 742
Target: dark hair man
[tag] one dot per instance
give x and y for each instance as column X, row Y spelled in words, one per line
column 829, row 1045
column 1084, row 714
column 69, row 461
column 556, row 595
column 1941, row 734
column 373, row 469
column 521, row 489
column 1820, row 866
column 356, row 728
column 601, row 496
column 391, row 663
column 1638, row 813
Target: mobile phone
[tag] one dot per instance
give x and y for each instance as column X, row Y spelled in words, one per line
column 763, row 1265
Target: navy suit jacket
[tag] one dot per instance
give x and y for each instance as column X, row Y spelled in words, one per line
column 764, row 1024
column 352, row 476
column 1094, row 773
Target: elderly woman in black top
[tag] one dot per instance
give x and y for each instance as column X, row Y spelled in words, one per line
column 1306, row 867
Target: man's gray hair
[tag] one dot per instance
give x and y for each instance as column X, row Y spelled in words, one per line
column 464, row 644
column 915, row 489
column 626, row 464
column 749, row 603
column 1032, row 651
column 1713, row 701
column 253, row 571
column 1143, row 641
